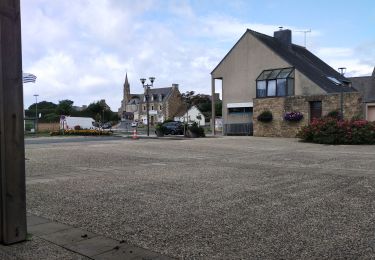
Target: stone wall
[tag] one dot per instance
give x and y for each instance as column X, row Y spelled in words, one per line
column 48, row 126
column 278, row 127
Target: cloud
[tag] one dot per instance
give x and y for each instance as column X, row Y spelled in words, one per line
column 81, row 49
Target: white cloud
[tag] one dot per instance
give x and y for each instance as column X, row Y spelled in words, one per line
column 81, row 49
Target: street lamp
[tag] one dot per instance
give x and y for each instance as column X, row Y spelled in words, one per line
column 36, row 112
column 342, row 72
column 146, row 88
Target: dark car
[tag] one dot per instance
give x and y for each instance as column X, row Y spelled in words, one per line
column 107, row 125
column 174, row 128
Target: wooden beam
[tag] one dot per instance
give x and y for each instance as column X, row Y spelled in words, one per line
column 12, row 149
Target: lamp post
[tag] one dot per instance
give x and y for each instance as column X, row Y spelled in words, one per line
column 146, row 88
column 342, row 71
column 36, row 112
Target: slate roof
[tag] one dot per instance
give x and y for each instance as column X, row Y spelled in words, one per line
column 156, row 91
column 366, row 86
column 303, row 60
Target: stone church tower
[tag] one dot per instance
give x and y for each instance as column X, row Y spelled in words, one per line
column 126, row 96
column 126, row 90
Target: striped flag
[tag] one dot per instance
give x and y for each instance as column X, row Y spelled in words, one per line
column 28, row 77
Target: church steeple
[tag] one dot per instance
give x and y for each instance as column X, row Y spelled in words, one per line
column 126, row 89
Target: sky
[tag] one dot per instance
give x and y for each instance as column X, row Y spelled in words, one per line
column 82, row 49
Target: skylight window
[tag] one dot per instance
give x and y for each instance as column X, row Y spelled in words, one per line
column 334, row 80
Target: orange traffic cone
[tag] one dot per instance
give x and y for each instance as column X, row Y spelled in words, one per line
column 135, row 134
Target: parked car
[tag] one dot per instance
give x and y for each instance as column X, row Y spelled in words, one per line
column 107, row 125
column 134, row 124
column 174, row 128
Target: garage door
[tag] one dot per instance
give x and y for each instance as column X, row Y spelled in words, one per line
column 371, row 113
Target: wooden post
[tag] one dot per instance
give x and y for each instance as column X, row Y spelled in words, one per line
column 12, row 149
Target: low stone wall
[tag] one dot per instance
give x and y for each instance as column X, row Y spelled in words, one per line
column 278, row 127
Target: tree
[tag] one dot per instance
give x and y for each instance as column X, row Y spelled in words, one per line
column 101, row 111
column 44, row 108
column 52, row 117
column 187, row 98
column 64, row 107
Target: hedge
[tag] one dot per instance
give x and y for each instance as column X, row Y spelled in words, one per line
column 81, row 132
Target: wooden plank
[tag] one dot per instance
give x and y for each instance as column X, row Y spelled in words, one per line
column 12, row 151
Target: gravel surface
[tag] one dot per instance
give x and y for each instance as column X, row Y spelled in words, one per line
column 223, row 198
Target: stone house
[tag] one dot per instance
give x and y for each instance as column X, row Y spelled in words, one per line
column 163, row 104
column 269, row 73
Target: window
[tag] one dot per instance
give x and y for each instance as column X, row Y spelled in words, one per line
column 144, row 108
column 271, row 88
column 261, row 88
column 281, row 87
column 152, row 107
column 237, row 110
column 275, row 83
column 160, row 107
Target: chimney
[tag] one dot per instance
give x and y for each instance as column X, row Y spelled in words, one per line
column 283, row 36
column 174, row 85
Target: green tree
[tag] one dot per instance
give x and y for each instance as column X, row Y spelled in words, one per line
column 44, row 108
column 52, row 117
column 64, row 107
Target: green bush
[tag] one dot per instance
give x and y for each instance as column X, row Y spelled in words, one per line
column 334, row 114
column 196, row 130
column 265, row 116
column 332, row 131
column 85, row 132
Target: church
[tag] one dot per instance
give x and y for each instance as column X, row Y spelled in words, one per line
column 164, row 103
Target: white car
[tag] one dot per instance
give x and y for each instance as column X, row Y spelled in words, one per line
column 134, row 124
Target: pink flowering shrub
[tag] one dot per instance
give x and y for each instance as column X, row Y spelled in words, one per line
column 332, row 131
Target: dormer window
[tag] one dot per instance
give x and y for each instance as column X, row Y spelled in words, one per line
column 275, row 83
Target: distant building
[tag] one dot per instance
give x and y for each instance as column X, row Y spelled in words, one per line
column 164, row 103
column 193, row 115
column 78, row 108
column 366, row 86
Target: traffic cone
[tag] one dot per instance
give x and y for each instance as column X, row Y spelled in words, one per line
column 135, row 134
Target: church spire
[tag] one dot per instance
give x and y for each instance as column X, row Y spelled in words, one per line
column 126, row 89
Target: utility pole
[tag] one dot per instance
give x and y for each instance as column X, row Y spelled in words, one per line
column 36, row 113
column 342, row 71
column 12, row 149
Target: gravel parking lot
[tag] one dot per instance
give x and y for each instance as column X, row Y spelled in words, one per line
column 223, row 198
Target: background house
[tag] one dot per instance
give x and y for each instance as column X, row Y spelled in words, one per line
column 192, row 115
column 366, row 86
column 163, row 104
column 263, row 73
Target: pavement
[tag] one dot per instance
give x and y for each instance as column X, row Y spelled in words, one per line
column 205, row 198
column 51, row 240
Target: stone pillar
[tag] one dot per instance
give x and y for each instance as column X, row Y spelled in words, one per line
column 12, row 150
column 213, row 110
